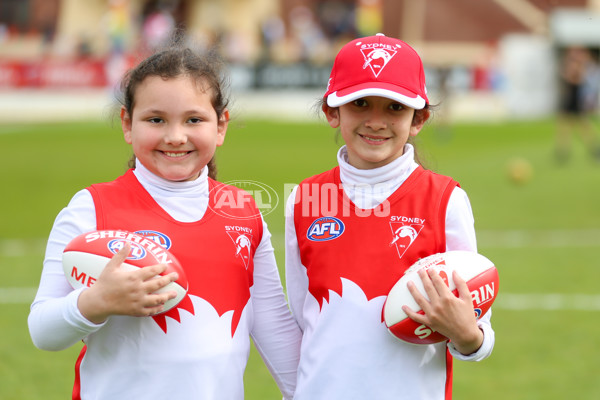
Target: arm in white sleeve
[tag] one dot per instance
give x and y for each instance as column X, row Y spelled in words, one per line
column 55, row 322
column 460, row 235
column 275, row 333
column 296, row 276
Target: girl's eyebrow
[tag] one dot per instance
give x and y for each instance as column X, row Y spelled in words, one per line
column 159, row 111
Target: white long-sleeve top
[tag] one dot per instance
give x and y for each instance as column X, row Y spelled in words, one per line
column 367, row 189
column 55, row 322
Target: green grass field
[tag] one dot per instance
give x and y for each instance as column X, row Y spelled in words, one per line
column 543, row 235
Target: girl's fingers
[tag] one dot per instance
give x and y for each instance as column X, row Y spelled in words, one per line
column 461, row 285
column 155, row 284
column 427, row 284
column 153, row 281
column 119, row 257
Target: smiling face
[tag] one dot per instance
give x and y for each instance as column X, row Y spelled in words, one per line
column 375, row 129
column 174, row 129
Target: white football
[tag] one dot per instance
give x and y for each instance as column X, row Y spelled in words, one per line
column 85, row 257
column 479, row 273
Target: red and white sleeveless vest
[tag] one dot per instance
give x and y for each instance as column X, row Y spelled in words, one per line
column 216, row 252
column 372, row 248
column 353, row 257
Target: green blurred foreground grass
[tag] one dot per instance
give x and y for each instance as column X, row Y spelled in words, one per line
column 543, row 234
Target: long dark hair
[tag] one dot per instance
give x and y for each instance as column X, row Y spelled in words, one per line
column 205, row 67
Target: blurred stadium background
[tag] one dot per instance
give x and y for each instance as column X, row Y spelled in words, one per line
column 485, row 60
column 492, row 65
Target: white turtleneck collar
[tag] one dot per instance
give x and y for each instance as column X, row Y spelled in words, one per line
column 184, row 201
column 367, row 188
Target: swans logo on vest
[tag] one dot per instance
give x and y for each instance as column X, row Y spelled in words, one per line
column 404, row 232
column 325, row 228
column 242, row 239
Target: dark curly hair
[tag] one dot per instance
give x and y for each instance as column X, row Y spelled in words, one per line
column 205, row 67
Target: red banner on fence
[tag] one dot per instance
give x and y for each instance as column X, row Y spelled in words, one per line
column 53, row 74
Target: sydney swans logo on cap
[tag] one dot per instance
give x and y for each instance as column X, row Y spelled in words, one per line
column 377, row 55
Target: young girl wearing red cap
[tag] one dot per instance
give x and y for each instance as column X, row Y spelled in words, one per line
column 342, row 249
column 174, row 115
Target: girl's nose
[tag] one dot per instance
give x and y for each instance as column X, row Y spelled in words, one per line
column 375, row 121
column 175, row 135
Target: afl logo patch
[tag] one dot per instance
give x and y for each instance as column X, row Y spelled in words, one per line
column 158, row 237
column 325, row 228
column 137, row 251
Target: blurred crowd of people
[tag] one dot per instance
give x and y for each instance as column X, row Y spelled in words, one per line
column 303, row 34
column 292, row 45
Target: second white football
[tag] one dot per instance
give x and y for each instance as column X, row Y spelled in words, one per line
column 479, row 273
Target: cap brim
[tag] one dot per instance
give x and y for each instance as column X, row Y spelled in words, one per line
column 396, row 93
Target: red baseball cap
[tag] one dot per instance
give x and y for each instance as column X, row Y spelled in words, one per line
column 377, row 66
